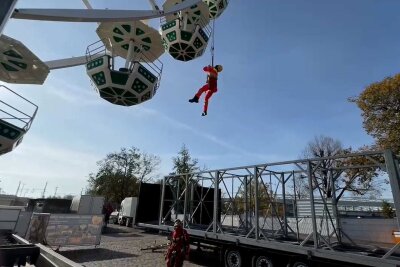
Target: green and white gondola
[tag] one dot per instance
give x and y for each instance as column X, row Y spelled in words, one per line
column 216, row 7
column 15, row 121
column 140, row 46
column 185, row 35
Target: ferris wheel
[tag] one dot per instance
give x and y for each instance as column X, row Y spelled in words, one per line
column 186, row 27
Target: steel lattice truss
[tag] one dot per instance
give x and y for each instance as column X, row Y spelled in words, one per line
column 260, row 203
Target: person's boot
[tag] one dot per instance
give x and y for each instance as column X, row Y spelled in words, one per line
column 204, row 113
column 195, row 99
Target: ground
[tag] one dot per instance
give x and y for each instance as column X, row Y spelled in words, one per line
column 120, row 246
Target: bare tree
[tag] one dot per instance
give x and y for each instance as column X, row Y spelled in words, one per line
column 357, row 181
column 323, row 146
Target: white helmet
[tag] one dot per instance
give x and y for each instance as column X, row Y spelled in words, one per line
column 177, row 223
column 219, row 68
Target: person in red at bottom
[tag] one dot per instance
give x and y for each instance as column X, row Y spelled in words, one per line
column 210, row 87
column 179, row 247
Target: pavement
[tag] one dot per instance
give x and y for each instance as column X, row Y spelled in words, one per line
column 120, row 246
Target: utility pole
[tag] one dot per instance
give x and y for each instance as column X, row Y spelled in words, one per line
column 22, row 189
column 44, row 190
column 55, row 193
column 16, row 194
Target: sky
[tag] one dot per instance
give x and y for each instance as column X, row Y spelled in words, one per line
column 289, row 68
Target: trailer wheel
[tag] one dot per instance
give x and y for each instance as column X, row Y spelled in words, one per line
column 233, row 258
column 299, row 264
column 262, row 261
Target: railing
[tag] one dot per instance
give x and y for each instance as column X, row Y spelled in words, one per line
column 155, row 67
column 95, row 50
column 202, row 21
column 98, row 49
column 13, row 115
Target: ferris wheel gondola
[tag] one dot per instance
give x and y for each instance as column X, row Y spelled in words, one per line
column 216, row 7
column 18, row 64
column 185, row 34
column 140, row 46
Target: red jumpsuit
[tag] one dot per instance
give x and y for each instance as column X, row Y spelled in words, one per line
column 210, row 87
column 178, row 249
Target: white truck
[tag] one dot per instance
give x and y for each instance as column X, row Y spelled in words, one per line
column 127, row 212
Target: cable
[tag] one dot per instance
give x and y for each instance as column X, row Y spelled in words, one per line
column 212, row 43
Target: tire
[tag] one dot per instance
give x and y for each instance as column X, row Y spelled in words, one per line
column 233, row 258
column 300, row 264
column 262, row 261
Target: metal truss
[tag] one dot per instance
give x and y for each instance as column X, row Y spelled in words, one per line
column 258, row 205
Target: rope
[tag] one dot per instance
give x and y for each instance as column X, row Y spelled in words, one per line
column 212, row 43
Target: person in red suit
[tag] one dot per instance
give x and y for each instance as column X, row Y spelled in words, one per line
column 179, row 247
column 210, row 87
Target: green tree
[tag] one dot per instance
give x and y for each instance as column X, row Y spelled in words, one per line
column 267, row 204
column 120, row 174
column 387, row 210
column 380, row 107
column 184, row 163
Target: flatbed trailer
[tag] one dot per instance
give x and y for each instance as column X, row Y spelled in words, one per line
column 250, row 226
column 16, row 251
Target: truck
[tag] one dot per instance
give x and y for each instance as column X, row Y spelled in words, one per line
column 127, row 212
column 87, row 204
column 250, row 215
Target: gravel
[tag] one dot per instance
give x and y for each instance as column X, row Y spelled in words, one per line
column 120, row 246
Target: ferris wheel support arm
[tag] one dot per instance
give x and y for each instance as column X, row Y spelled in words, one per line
column 6, row 9
column 87, row 4
column 154, row 5
column 66, row 62
column 84, row 15
column 98, row 15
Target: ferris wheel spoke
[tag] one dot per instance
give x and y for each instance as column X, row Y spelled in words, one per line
column 97, row 15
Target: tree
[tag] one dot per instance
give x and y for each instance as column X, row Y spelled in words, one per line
column 120, row 174
column 183, row 163
column 323, row 146
column 387, row 210
column 267, row 205
column 359, row 181
column 299, row 186
column 380, row 106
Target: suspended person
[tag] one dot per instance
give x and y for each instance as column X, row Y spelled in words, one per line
column 209, row 88
column 179, row 247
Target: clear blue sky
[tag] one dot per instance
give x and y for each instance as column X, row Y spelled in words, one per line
column 289, row 67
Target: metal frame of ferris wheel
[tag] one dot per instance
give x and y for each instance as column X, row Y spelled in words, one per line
column 7, row 11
